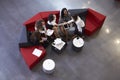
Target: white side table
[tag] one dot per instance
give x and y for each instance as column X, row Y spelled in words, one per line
column 48, row 66
column 78, row 43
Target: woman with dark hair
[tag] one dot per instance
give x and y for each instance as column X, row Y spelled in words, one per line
column 67, row 21
column 35, row 38
column 41, row 27
column 80, row 26
column 65, row 16
column 51, row 24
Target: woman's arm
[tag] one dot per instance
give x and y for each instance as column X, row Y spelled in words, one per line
column 54, row 23
column 70, row 21
column 35, row 28
column 41, row 31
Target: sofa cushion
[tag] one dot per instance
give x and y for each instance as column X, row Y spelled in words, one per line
column 99, row 18
column 23, row 35
column 89, row 28
column 33, row 19
column 91, row 19
column 30, row 59
column 94, row 21
column 30, row 23
column 81, row 12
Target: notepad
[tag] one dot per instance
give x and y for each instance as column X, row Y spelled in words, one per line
column 58, row 41
column 59, row 46
column 49, row 32
column 37, row 52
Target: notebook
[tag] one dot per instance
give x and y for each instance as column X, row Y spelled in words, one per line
column 49, row 32
column 37, row 52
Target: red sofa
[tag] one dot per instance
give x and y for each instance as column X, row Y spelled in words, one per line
column 93, row 21
column 30, row 23
column 30, row 59
column 26, row 50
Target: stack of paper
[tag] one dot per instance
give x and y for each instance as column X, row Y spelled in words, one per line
column 59, row 46
column 58, row 41
column 37, row 52
column 49, row 32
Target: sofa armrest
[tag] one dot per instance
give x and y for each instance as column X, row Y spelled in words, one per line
column 23, row 35
column 97, row 17
column 80, row 12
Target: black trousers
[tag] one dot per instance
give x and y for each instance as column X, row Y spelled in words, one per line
column 78, row 32
column 29, row 44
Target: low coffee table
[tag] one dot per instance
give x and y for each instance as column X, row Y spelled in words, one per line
column 59, row 47
column 48, row 66
column 77, row 43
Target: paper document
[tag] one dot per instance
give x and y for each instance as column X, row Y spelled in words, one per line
column 59, row 46
column 58, row 41
column 49, row 32
column 37, row 52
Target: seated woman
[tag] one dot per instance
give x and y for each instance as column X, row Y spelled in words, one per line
column 35, row 38
column 41, row 27
column 67, row 21
column 51, row 24
column 38, row 37
column 80, row 26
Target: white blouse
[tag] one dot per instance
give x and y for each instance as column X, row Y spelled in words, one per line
column 80, row 23
column 52, row 22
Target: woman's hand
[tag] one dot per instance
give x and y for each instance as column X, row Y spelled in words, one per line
column 41, row 41
column 65, row 23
